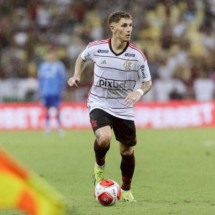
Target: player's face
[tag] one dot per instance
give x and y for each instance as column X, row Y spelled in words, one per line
column 51, row 56
column 122, row 30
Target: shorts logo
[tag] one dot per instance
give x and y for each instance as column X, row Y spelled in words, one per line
column 93, row 123
column 107, row 83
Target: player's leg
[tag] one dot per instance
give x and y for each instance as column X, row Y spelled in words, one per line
column 59, row 121
column 101, row 126
column 47, row 119
column 55, row 104
column 127, row 165
column 125, row 133
column 101, row 147
column 46, row 104
column 102, row 144
column 127, row 169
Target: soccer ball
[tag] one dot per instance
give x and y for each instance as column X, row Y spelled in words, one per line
column 107, row 192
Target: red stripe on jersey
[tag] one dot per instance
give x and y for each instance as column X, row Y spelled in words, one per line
column 98, row 42
column 136, row 48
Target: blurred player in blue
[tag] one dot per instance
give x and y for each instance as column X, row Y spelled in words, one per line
column 52, row 85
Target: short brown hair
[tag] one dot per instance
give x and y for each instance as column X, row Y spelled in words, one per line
column 116, row 16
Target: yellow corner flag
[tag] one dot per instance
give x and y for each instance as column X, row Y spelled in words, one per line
column 23, row 190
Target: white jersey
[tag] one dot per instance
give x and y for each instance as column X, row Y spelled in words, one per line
column 115, row 76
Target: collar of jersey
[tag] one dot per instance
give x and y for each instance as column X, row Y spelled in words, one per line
column 117, row 54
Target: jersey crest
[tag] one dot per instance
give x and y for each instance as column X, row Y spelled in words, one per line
column 127, row 65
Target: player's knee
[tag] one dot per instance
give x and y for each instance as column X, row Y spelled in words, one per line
column 127, row 151
column 104, row 140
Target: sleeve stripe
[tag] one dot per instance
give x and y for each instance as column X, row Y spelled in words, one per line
column 137, row 49
column 98, row 42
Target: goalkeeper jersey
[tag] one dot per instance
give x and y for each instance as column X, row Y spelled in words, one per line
column 115, row 76
column 52, row 78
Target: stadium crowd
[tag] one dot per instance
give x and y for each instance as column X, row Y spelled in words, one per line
column 177, row 37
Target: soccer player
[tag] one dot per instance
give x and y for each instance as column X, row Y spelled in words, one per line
column 121, row 78
column 52, row 84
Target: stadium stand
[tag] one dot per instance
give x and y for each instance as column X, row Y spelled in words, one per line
column 177, row 36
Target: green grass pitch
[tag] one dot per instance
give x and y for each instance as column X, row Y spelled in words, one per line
column 175, row 169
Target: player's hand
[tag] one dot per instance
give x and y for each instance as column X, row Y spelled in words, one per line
column 73, row 82
column 132, row 98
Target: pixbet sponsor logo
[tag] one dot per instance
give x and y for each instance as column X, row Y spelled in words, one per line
column 107, row 83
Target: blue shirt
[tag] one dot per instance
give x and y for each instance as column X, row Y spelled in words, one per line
column 52, row 78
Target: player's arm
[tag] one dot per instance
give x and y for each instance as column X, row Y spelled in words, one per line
column 145, row 78
column 136, row 95
column 145, row 88
column 79, row 68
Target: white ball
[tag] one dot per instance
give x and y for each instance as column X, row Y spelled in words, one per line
column 107, row 192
